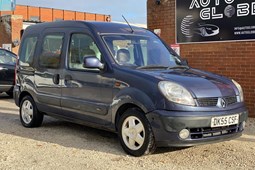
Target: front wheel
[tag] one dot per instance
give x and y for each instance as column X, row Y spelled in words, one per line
column 135, row 133
column 29, row 115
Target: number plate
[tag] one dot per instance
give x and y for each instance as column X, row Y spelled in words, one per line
column 225, row 120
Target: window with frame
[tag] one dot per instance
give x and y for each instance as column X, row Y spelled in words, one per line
column 51, row 51
column 27, row 51
column 128, row 50
column 7, row 58
column 81, row 46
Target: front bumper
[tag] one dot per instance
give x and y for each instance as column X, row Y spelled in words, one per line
column 166, row 126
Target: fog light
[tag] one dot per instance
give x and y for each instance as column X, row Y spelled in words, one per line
column 184, row 134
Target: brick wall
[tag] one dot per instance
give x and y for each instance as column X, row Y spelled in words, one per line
column 235, row 60
column 16, row 27
column 21, row 10
column 10, row 27
column 79, row 16
column 46, row 14
column 50, row 14
column 90, row 17
column 5, row 27
column 12, row 21
column 58, row 14
column 33, row 12
column 69, row 15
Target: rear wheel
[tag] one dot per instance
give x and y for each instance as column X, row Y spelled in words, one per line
column 29, row 115
column 135, row 133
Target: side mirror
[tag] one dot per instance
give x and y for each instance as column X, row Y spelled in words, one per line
column 92, row 62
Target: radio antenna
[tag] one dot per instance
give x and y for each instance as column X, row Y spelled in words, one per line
column 132, row 31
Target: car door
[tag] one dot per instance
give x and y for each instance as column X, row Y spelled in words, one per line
column 86, row 93
column 7, row 70
column 48, row 70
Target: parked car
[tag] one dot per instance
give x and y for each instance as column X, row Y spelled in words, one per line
column 125, row 80
column 7, row 71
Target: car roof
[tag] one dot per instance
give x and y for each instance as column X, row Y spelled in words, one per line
column 99, row 27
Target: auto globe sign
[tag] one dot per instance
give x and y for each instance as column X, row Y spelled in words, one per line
column 214, row 20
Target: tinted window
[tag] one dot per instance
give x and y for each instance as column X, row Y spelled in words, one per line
column 27, row 51
column 7, row 58
column 51, row 51
column 81, row 46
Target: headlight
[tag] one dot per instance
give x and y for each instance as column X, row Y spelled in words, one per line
column 238, row 86
column 176, row 93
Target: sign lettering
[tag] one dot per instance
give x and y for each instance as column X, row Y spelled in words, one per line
column 215, row 20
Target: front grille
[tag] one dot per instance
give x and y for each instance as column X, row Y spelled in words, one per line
column 207, row 102
column 207, row 132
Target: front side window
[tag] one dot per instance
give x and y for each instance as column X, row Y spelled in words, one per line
column 7, row 58
column 140, row 51
column 81, row 46
column 51, row 51
column 27, row 51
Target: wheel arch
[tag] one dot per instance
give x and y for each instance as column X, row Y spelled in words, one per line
column 23, row 94
column 127, row 99
column 122, row 109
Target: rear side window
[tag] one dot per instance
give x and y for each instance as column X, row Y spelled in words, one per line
column 51, row 51
column 27, row 51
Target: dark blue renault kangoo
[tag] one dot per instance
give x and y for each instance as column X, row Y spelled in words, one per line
column 126, row 80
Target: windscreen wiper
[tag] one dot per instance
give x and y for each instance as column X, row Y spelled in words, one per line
column 152, row 67
column 178, row 67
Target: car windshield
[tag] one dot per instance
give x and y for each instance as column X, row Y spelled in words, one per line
column 141, row 51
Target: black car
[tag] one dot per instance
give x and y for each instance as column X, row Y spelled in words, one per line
column 7, row 71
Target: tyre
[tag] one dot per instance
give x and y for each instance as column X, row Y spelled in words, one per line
column 135, row 133
column 29, row 115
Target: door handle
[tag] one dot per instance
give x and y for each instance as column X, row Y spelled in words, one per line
column 56, row 78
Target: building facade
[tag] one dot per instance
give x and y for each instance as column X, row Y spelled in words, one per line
column 230, row 55
column 13, row 23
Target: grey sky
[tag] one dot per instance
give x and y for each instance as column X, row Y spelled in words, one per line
column 133, row 10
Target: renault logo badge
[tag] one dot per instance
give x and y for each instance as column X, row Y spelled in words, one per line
column 223, row 103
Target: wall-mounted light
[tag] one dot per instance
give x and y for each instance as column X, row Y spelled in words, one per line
column 108, row 19
column 158, row 2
